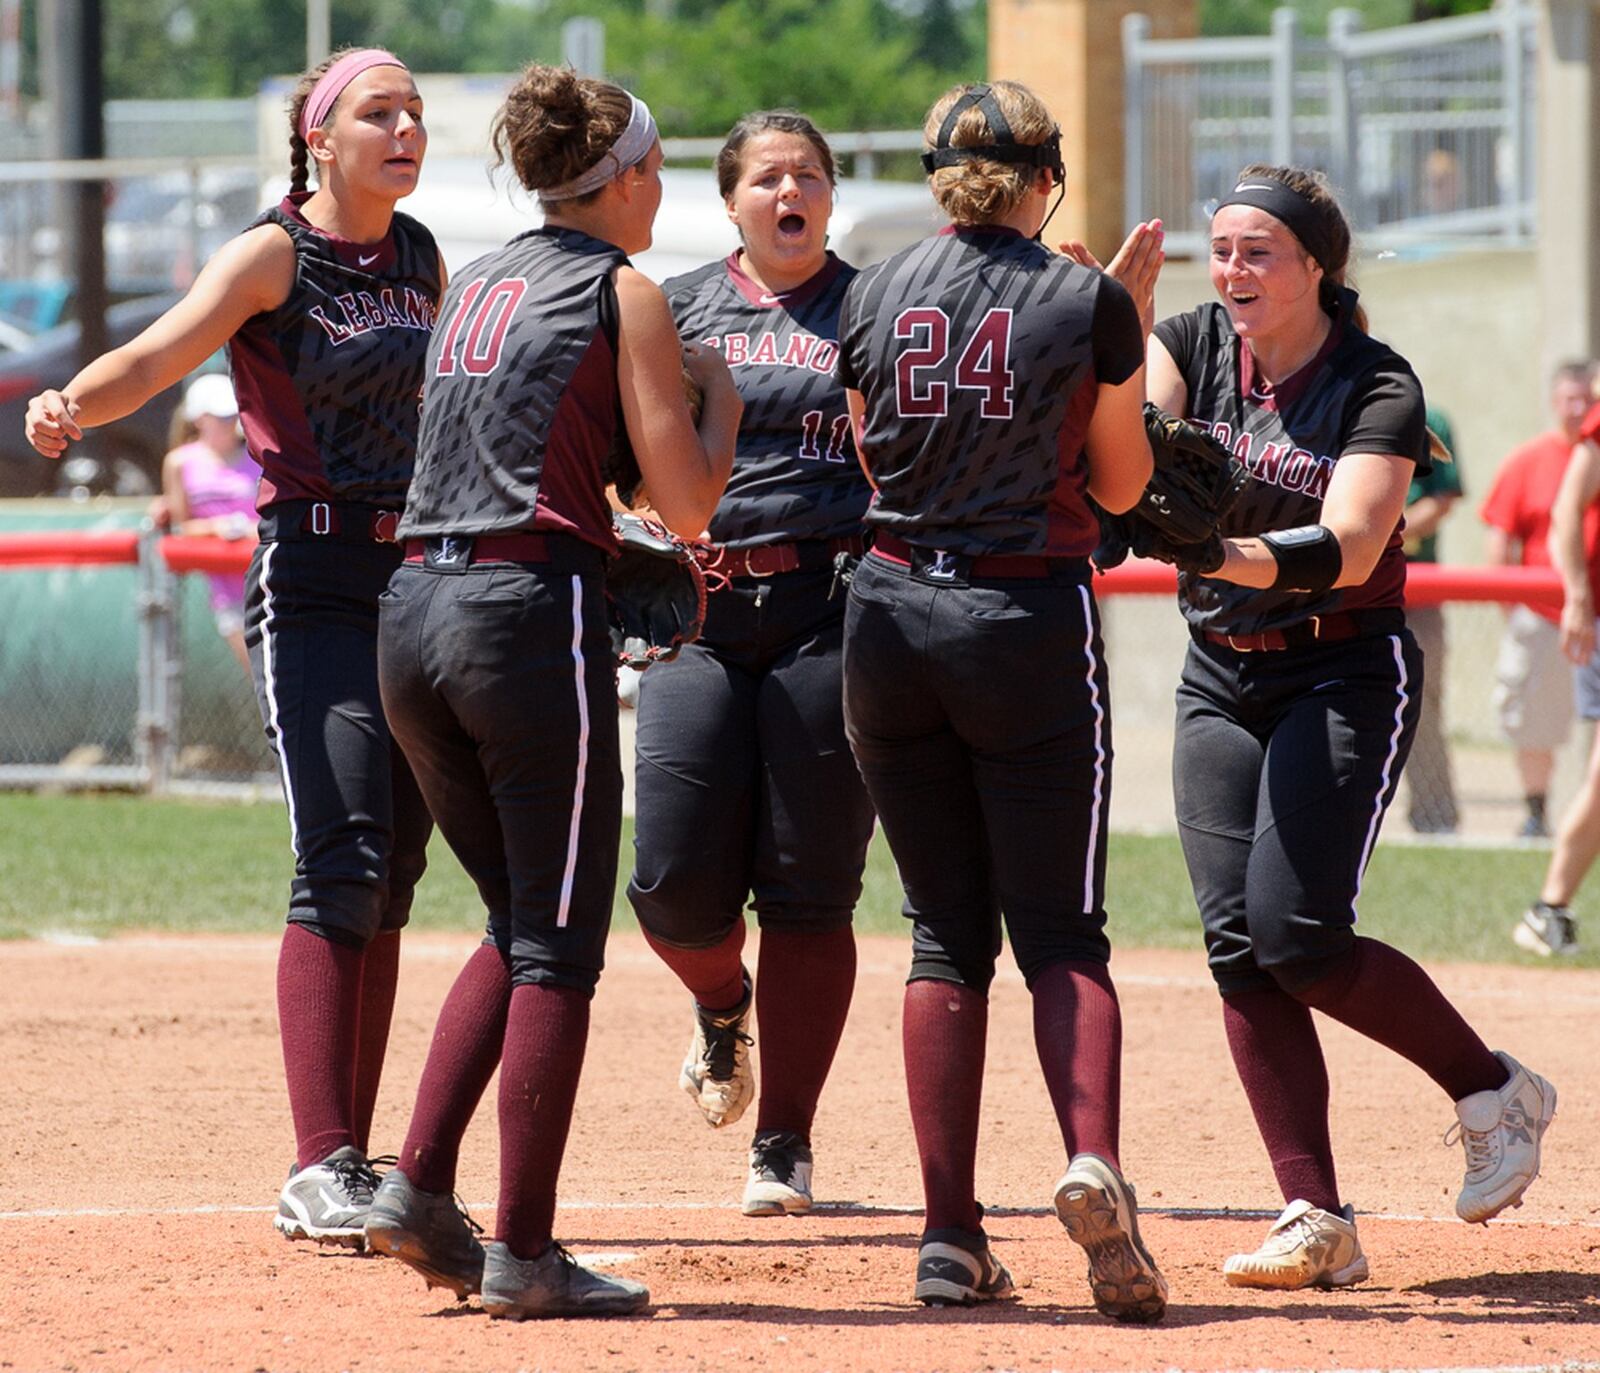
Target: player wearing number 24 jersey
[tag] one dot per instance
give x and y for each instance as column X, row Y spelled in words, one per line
column 996, row 387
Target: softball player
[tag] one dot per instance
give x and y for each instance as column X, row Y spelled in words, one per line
column 994, row 387
column 325, row 305
column 1298, row 704
column 745, row 784
column 496, row 663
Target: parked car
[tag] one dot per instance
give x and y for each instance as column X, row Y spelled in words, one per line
column 128, row 452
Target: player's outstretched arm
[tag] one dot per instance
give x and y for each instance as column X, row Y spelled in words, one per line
column 684, row 470
column 1579, row 487
column 1118, row 446
column 1164, row 385
column 250, row 274
column 1137, row 266
column 1366, row 496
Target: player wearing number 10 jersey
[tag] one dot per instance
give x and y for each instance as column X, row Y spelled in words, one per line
column 746, row 787
column 996, row 386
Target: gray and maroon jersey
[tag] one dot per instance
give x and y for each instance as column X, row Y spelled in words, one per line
column 328, row 382
column 979, row 353
column 520, row 403
column 1356, row 396
column 795, row 474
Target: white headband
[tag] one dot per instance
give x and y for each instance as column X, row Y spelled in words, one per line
column 630, row 149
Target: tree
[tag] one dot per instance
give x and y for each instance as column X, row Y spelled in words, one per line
column 1255, row 16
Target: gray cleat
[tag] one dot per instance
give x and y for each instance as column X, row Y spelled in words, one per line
column 554, row 1284
column 328, row 1201
column 428, row 1231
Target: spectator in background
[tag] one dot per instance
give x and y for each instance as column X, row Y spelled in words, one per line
column 1442, row 187
column 208, row 486
column 1433, row 789
column 1548, row 927
column 1533, row 687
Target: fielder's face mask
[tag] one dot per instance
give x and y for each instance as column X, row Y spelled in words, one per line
column 1005, row 147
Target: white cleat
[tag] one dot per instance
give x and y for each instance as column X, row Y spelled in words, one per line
column 1099, row 1210
column 1306, row 1247
column 1547, row 931
column 779, row 1183
column 1501, row 1131
column 716, row 1071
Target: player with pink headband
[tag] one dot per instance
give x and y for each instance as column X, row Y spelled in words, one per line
column 325, row 305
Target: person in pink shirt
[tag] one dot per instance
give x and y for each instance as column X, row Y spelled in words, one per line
column 1533, row 685
column 208, row 486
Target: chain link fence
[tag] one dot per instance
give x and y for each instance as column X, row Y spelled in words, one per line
column 113, row 673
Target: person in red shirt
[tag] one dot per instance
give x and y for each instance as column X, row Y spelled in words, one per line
column 1533, row 689
column 1547, row 927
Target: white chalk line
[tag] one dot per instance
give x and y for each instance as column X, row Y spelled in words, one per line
column 841, row 1209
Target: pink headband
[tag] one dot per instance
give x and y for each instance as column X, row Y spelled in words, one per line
column 331, row 85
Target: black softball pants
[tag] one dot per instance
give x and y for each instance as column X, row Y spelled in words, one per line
column 500, row 686
column 357, row 821
column 980, row 717
column 1283, row 766
column 744, row 782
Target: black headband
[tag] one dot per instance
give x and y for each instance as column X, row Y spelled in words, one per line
column 1305, row 220
column 1005, row 147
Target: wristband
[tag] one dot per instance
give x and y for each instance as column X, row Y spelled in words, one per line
column 1309, row 558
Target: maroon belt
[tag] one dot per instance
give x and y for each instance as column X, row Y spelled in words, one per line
column 1021, row 565
column 813, row 555
column 296, row 520
column 491, row 548
column 1319, row 629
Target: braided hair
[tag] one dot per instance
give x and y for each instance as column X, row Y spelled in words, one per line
column 299, row 152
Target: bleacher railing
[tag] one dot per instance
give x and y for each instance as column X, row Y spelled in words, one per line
column 1425, row 129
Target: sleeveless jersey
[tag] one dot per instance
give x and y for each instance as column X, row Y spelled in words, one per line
column 795, row 474
column 1356, row 396
column 521, row 403
column 328, row 383
column 979, row 353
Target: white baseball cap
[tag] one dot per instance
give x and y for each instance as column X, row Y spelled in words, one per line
column 211, row 394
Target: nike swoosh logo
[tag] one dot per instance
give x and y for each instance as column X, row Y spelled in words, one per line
column 1251, row 186
column 367, row 261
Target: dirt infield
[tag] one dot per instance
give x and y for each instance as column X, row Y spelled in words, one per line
column 146, row 1133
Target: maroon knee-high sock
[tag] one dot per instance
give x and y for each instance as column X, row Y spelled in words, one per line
column 1381, row 993
column 944, row 1029
column 715, row 975
column 319, row 1013
column 380, row 976
column 461, row 1060
column 1077, row 1031
column 546, row 1032
column 1279, row 1060
column 803, row 984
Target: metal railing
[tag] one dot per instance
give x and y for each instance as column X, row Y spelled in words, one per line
column 1426, row 130
column 114, row 676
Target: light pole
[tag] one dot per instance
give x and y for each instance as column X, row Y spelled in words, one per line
column 319, row 31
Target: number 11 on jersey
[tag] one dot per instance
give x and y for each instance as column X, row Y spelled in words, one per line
column 811, row 429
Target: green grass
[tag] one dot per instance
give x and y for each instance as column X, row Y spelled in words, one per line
column 98, row 865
